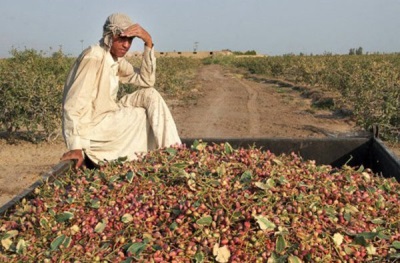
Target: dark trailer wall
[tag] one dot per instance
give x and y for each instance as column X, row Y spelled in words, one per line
column 369, row 152
column 353, row 151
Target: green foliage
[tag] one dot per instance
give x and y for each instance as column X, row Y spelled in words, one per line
column 246, row 53
column 368, row 84
column 31, row 88
column 172, row 73
column 354, row 51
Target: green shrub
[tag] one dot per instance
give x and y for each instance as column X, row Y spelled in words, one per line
column 31, row 85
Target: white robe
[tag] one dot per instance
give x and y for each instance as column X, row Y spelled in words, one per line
column 104, row 128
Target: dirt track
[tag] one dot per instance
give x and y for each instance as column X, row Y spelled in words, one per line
column 228, row 106
column 232, row 106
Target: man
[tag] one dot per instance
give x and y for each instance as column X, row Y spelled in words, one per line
column 98, row 126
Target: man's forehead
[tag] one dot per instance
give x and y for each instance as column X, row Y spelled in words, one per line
column 124, row 37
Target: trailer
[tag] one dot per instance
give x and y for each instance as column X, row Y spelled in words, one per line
column 367, row 151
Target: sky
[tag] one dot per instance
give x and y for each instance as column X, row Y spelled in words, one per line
column 270, row 27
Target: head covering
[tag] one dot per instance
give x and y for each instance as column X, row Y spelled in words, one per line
column 115, row 24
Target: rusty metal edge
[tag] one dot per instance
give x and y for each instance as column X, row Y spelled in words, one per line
column 56, row 170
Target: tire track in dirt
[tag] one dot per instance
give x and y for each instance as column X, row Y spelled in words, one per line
column 225, row 109
column 253, row 110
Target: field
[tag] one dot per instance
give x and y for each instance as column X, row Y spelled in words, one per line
column 224, row 101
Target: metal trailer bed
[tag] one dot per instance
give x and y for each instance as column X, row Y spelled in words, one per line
column 368, row 151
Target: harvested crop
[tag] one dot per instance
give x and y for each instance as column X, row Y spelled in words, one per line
column 208, row 203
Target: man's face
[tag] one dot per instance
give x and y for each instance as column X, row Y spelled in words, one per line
column 120, row 46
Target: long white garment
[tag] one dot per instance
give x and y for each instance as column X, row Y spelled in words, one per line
column 143, row 123
column 93, row 119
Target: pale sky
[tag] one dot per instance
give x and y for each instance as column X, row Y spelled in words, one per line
column 271, row 27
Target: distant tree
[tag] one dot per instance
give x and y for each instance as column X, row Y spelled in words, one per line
column 248, row 52
column 354, row 51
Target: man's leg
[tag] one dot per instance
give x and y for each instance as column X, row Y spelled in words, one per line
column 158, row 113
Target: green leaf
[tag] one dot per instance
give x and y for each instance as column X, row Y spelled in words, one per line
column 382, row 235
column 122, row 159
column 127, row 218
column 137, row 248
column 361, row 169
column 198, row 145
column 66, row 242
column 283, row 180
column 171, row 151
column 57, row 242
column 113, row 179
column 21, row 247
column 236, row 215
column 378, row 221
column 58, row 183
column 368, row 235
column 262, row 186
column 100, row 227
column 179, row 165
column 350, row 209
column 360, row 240
column 221, row 170
column 264, row 223
column 199, row 257
column 64, row 217
column 95, row 203
column 176, row 211
column 228, row 148
column 277, row 162
column 129, row 176
column 173, row 226
column 205, row 220
column 156, row 247
column 271, row 182
column 347, row 216
column 396, row 244
column 246, row 177
column 280, row 244
column 10, row 234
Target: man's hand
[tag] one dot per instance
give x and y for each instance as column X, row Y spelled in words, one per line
column 74, row 155
column 137, row 31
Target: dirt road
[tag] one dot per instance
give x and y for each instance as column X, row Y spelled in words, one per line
column 231, row 106
column 228, row 106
